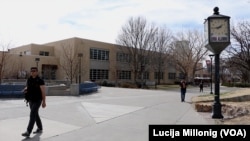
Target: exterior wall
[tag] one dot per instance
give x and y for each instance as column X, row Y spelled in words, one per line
column 23, row 57
column 22, row 50
column 35, row 49
column 16, row 64
column 59, row 52
column 32, row 49
column 83, row 46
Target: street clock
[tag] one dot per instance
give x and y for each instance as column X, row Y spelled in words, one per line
column 217, row 32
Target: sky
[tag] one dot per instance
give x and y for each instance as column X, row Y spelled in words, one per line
column 42, row 21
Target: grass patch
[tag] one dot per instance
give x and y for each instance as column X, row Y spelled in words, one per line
column 240, row 94
column 166, row 87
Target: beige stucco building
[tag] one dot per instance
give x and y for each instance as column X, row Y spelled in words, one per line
column 88, row 60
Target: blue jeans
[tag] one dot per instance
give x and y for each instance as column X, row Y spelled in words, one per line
column 183, row 93
column 34, row 116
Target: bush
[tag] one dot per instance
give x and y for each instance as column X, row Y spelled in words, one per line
column 108, row 84
column 241, row 85
column 128, row 85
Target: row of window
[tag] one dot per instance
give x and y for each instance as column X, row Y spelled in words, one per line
column 96, row 74
column 41, row 53
column 98, row 54
column 123, row 57
column 44, row 53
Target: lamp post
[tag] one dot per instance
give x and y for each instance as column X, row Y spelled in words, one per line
column 20, row 73
column 217, row 37
column 37, row 61
column 80, row 66
column 211, row 72
column 142, row 71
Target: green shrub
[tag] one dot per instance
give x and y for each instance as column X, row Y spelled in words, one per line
column 241, row 85
column 128, row 85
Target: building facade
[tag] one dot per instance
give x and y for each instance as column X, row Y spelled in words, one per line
column 77, row 60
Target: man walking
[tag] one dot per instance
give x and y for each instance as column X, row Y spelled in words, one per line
column 183, row 86
column 35, row 88
column 201, row 86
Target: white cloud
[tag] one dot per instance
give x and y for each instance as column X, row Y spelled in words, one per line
column 29, row 21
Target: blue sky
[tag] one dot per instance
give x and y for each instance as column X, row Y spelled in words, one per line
column 32, row 21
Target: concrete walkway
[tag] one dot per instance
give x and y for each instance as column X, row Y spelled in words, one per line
column 112, row 114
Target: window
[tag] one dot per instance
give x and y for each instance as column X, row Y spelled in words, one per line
column 181, row 76
column 122, row 57
column 197, row 75
column 124, row 74
column 146, row 75
column 27, row 53
column 158, row 75
column 143, row 59
column 98, row 54
column 44, row 53
column 96, row 74
column 171, row 75
column 49, row 72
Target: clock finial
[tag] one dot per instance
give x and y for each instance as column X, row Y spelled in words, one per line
column 216, row 10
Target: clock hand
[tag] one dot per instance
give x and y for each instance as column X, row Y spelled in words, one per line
column 218, row 27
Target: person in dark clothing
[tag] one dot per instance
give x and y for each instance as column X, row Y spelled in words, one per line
column 201, row 86
column 183, row 87
column 35, row 88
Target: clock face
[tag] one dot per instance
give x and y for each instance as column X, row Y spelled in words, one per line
column 219, row 30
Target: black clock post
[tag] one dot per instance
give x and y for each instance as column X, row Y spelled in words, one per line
column 217, row 34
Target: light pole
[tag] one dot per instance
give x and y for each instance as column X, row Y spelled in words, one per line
column 142, row 70
column 80, row 66
column 37, row 61
column 217, row 37
column 211, row 72
column 20, row 73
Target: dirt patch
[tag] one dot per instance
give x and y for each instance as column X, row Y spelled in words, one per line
column 235, row 106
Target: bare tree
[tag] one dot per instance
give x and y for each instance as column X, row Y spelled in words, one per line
column 239, row 51
column 137, row 36
column 163, row 39
column 11, row 71
column 69, row 61
column 187, row 51
column 3, row 59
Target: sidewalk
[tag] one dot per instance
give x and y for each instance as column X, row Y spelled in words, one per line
column 112, row 114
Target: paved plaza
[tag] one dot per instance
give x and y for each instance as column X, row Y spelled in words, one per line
column 112, row 114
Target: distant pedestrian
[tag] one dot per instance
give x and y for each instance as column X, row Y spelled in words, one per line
column 36, row 97
column 183, row 87
column 201, row 86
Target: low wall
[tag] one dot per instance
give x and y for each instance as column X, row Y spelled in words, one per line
column 15, row 91
column 74, row 89
column 62, row 90
column 57, row 90
column 11, row 91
